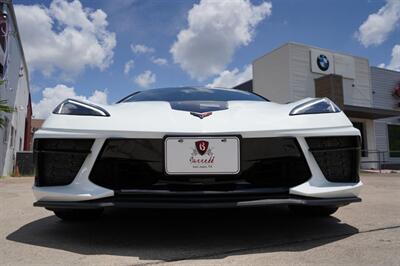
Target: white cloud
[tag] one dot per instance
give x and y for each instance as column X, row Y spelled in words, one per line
column 65, row 36
column 216, row 29
column 141, row 49
column 99, row 97
column 34, row 88
column 128, row 66
column 145, row 79
column 376, row 29
column 159, row 61
column 229, row 79
column 382, row 65
column 54, row 96
column 395, row 61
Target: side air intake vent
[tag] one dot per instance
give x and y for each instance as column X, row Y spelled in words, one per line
column 338, row 157
column 57, row 161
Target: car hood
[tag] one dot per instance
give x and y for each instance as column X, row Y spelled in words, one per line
column 239, row 116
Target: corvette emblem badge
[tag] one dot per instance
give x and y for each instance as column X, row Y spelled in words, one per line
column 201, row 146
column 201, row 115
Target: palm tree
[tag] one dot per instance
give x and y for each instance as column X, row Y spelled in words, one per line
column 4, row 108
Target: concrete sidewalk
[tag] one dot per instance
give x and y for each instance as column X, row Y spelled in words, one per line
column 366, row 233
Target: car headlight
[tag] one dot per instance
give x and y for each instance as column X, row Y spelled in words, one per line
column 75, row 107
column 316, row 106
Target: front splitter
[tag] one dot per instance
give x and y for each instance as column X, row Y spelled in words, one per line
column 116, row 203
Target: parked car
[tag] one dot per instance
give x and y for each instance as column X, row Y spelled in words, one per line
column 196, row 148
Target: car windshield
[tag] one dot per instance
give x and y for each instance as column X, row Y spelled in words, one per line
column 186, row 94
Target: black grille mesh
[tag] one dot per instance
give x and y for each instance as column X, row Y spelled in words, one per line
column 338, row 157
column 57, row 161
column 139, row 163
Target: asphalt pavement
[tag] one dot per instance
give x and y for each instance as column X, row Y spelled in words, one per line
column 366, row 233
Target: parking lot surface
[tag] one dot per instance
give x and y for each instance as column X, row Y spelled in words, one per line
column 366, row 233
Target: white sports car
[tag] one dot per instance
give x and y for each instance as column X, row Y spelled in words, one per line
column 196, row 148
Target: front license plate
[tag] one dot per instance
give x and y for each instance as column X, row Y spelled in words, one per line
column 207, row 155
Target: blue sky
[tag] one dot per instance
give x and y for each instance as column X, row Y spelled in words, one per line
column 155, row 25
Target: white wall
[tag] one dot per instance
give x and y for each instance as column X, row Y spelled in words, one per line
column 383, row 83
column 301, row 78
column 271, row 75
column 361, row 93
column 16, row 92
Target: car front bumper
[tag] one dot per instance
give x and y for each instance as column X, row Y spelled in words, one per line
column 316, row 190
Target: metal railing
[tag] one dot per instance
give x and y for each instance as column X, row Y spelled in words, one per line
column 380, row 157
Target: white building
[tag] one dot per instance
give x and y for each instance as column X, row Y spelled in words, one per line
column 296, row 71
column 14, row 136
column 386, row 95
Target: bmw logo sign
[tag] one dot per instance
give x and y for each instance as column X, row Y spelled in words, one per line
column 323, row 62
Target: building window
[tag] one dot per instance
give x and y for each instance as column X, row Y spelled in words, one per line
column 360, row 126
column 394, row 140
